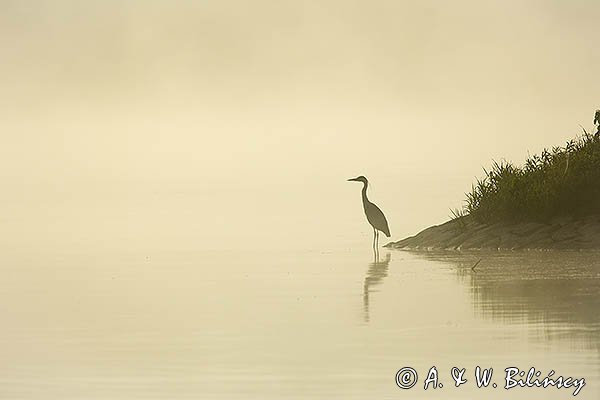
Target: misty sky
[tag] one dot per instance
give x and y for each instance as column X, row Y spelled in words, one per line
column 150, row 105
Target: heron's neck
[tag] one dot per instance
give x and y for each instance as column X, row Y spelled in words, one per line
column 364, row 192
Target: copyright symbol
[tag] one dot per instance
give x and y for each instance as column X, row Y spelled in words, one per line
column 406, row 378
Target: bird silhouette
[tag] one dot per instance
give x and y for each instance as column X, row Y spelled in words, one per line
column 374, row 214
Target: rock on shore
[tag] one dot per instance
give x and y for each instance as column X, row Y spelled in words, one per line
column 466, row 234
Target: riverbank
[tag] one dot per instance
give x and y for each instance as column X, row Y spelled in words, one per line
column 467, row 234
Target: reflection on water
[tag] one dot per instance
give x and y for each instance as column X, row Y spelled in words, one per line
column 377, row 271
column 280, row 324
column 557, row 292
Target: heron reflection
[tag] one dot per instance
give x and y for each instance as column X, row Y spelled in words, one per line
column 375, row 274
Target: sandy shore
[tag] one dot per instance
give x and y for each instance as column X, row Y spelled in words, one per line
column 466, row 234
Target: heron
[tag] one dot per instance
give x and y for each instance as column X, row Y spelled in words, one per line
column 374, row 214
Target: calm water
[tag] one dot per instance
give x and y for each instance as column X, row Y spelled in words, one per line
column 293, row 324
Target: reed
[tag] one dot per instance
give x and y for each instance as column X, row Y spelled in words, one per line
column 458, row 215
column 562, row 181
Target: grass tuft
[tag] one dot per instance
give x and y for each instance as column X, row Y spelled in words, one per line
column 563, row 181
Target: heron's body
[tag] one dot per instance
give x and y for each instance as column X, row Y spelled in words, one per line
column 374, row 214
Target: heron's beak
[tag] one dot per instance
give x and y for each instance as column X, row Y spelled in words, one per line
column 353, row 179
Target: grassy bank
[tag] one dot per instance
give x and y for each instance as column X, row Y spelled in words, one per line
column 563, row 181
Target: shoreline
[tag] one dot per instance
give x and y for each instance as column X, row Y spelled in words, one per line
column 565, row 233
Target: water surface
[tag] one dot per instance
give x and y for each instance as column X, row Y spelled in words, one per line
column 303, row 324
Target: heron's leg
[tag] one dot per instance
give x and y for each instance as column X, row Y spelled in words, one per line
column 376, row 256
column 375, row 249
column 374, row 236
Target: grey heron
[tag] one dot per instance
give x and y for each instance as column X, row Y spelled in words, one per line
column 374, row 214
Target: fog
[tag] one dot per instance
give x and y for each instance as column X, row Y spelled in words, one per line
column 213, row 124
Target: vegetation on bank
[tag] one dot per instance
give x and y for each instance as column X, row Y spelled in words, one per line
column 563, row 181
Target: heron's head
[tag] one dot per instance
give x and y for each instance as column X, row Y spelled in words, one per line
column 359, row 179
